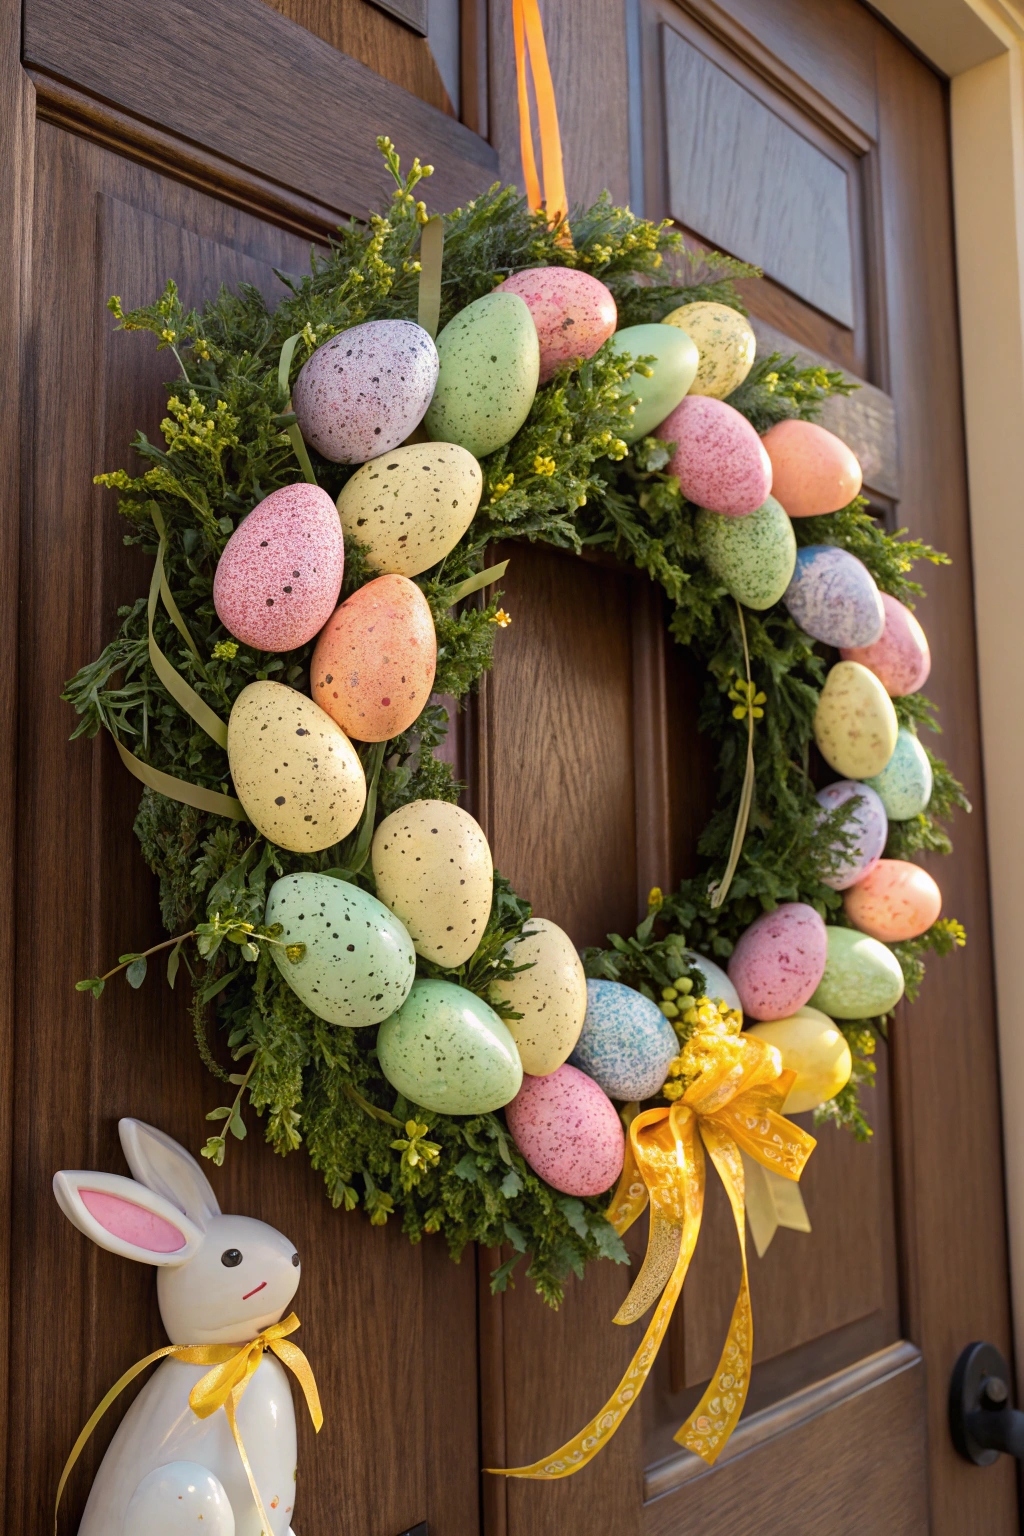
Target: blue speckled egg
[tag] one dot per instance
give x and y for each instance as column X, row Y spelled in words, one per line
column 867, row 821
column 833, row 597
column 717, row 984
column 905, row 783
column 626, row 1043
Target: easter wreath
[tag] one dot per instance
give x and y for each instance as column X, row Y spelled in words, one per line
column 578, row 472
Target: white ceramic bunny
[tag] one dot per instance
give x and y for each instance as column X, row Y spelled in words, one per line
column 221, row 1280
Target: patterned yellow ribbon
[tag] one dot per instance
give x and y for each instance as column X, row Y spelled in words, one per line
column 734, row 1102
column 223, row 1387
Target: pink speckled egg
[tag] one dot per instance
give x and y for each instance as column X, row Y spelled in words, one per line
column 373, row 667
column 573, row 312
column 567, row 1129
column 280, row 574
column 901, row 659
column 779, row 960
column 813, row 471
column 898, row 900
column 363, row 392
column 719, row 458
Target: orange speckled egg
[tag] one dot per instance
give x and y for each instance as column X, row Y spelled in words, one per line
column 813, row 471
column 374, row 663
column 898, row 900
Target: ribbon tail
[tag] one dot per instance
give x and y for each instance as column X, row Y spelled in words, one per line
column 297, row 1363
column 230, row 1408
column 172, row 679
column 181, row 789
column 431, row 257
column 530, row 178
column 772, row 1202
column 630, row 1198
column 556, row 203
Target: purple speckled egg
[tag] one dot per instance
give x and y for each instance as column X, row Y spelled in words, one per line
column 833, row 597
column 779, row 960
column 867, row 821
column 567, row 1129
column 363, row 392
column 719, row 458
column 901, row 659
column 280, row 574
column 574, row 313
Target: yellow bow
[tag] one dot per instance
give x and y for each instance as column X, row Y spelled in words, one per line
column 734, row 1100
column 234, row 1367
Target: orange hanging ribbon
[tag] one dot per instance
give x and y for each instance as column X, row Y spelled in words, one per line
column 529, row 35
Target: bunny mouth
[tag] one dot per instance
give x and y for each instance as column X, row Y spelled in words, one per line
column 261, row 1287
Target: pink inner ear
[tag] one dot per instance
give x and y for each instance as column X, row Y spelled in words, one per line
column 131, row 1222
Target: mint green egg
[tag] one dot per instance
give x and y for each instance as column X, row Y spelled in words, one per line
column 905, row 783
column 862, row 977
column 490, row 362
column 674, row 369
column 359, row 963
column 753, row 556
column 448, row 1050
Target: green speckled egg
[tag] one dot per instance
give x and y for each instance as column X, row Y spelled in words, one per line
column 490, row 363
column 448, row 1050
column 862, row 977
column 752, row 556
column 726, row 344
column 905, row 783
column 673, row 371
column 359, row 962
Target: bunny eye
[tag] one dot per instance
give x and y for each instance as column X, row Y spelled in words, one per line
column 230, row 1258
column 295, row 1260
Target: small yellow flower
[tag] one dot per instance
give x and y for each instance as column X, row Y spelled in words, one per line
column 502, row 619
column 747, row 700
column 225, row 650
column 543, row 465
column 502, row 487
column 295, row 952
column 673, row 1091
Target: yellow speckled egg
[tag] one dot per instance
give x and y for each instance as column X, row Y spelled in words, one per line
column 373, row 667
column 811, row 1046
column 855, row 724
column 551, row 996
column 726, row 344
column 295, row 771
column 433, row 868
column 411, row 506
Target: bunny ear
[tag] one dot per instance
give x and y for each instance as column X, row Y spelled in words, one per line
column 126, row 1217
column 158, row 1162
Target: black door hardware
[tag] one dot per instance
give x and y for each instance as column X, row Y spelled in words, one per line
column 982, row 1418
column 415, row 1530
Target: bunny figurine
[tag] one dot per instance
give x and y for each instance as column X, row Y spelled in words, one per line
column 220, row 1280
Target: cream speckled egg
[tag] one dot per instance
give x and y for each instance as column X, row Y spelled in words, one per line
column 726, row 344
column 812, row 1047
column 717, row 985
column 373, row 667
column 490, row 363
column 855, row 725
column 363, row 392
column 862, row 977
column 753, row 556
column 294, row 770
column 433, row 868
column 411, row 506
column 448, row 1050
column 896, row 901
column 567, row 1129
column 551, row 996
column 574, row 313
column 672, row 372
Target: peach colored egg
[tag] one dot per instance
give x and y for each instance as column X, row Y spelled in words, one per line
column 373, row 667
column 813, row 470
column 900, row 659
column 364, row 391
column 280, row 574
column 898, row 900
column 719, row 458
column 779, row 960
column 567, row 1129
column 574, row 313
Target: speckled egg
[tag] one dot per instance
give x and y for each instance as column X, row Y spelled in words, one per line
column 901, row 659
column 753, row 557
column 672, row 372
column 626, row 1043
column 363, row 392
column 411, row 506
column 717, row 984
column 278, row 579
column 855, row 724
column 904, row 785
column 833, row 597
column 897, row 901
column 814, row 471
column 568, row 1130
column 490, row 363
column 551, row 996
column 726, row 344
column 778, row 961
column 359, row 963
column 718, row 458
column 862, row 978
column 574, row 313
column 866, row 821
column 812, row 1047
column 294, row 770
column 448, row 1050
column 373, row 667
column 433, row 868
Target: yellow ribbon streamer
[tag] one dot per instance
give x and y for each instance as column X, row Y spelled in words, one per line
column 431, row 258
column 719, row 889
column 172, row 680
column 732, row 1106
column 294, row 435
column 528, row 31
column 223, row 1387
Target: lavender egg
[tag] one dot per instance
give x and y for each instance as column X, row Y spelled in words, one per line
column 867, row 821
column 779, row 960
column 568, row 1130
column 363, row 392
column 626, row 1043
column 833, row 597
column 719, row 458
